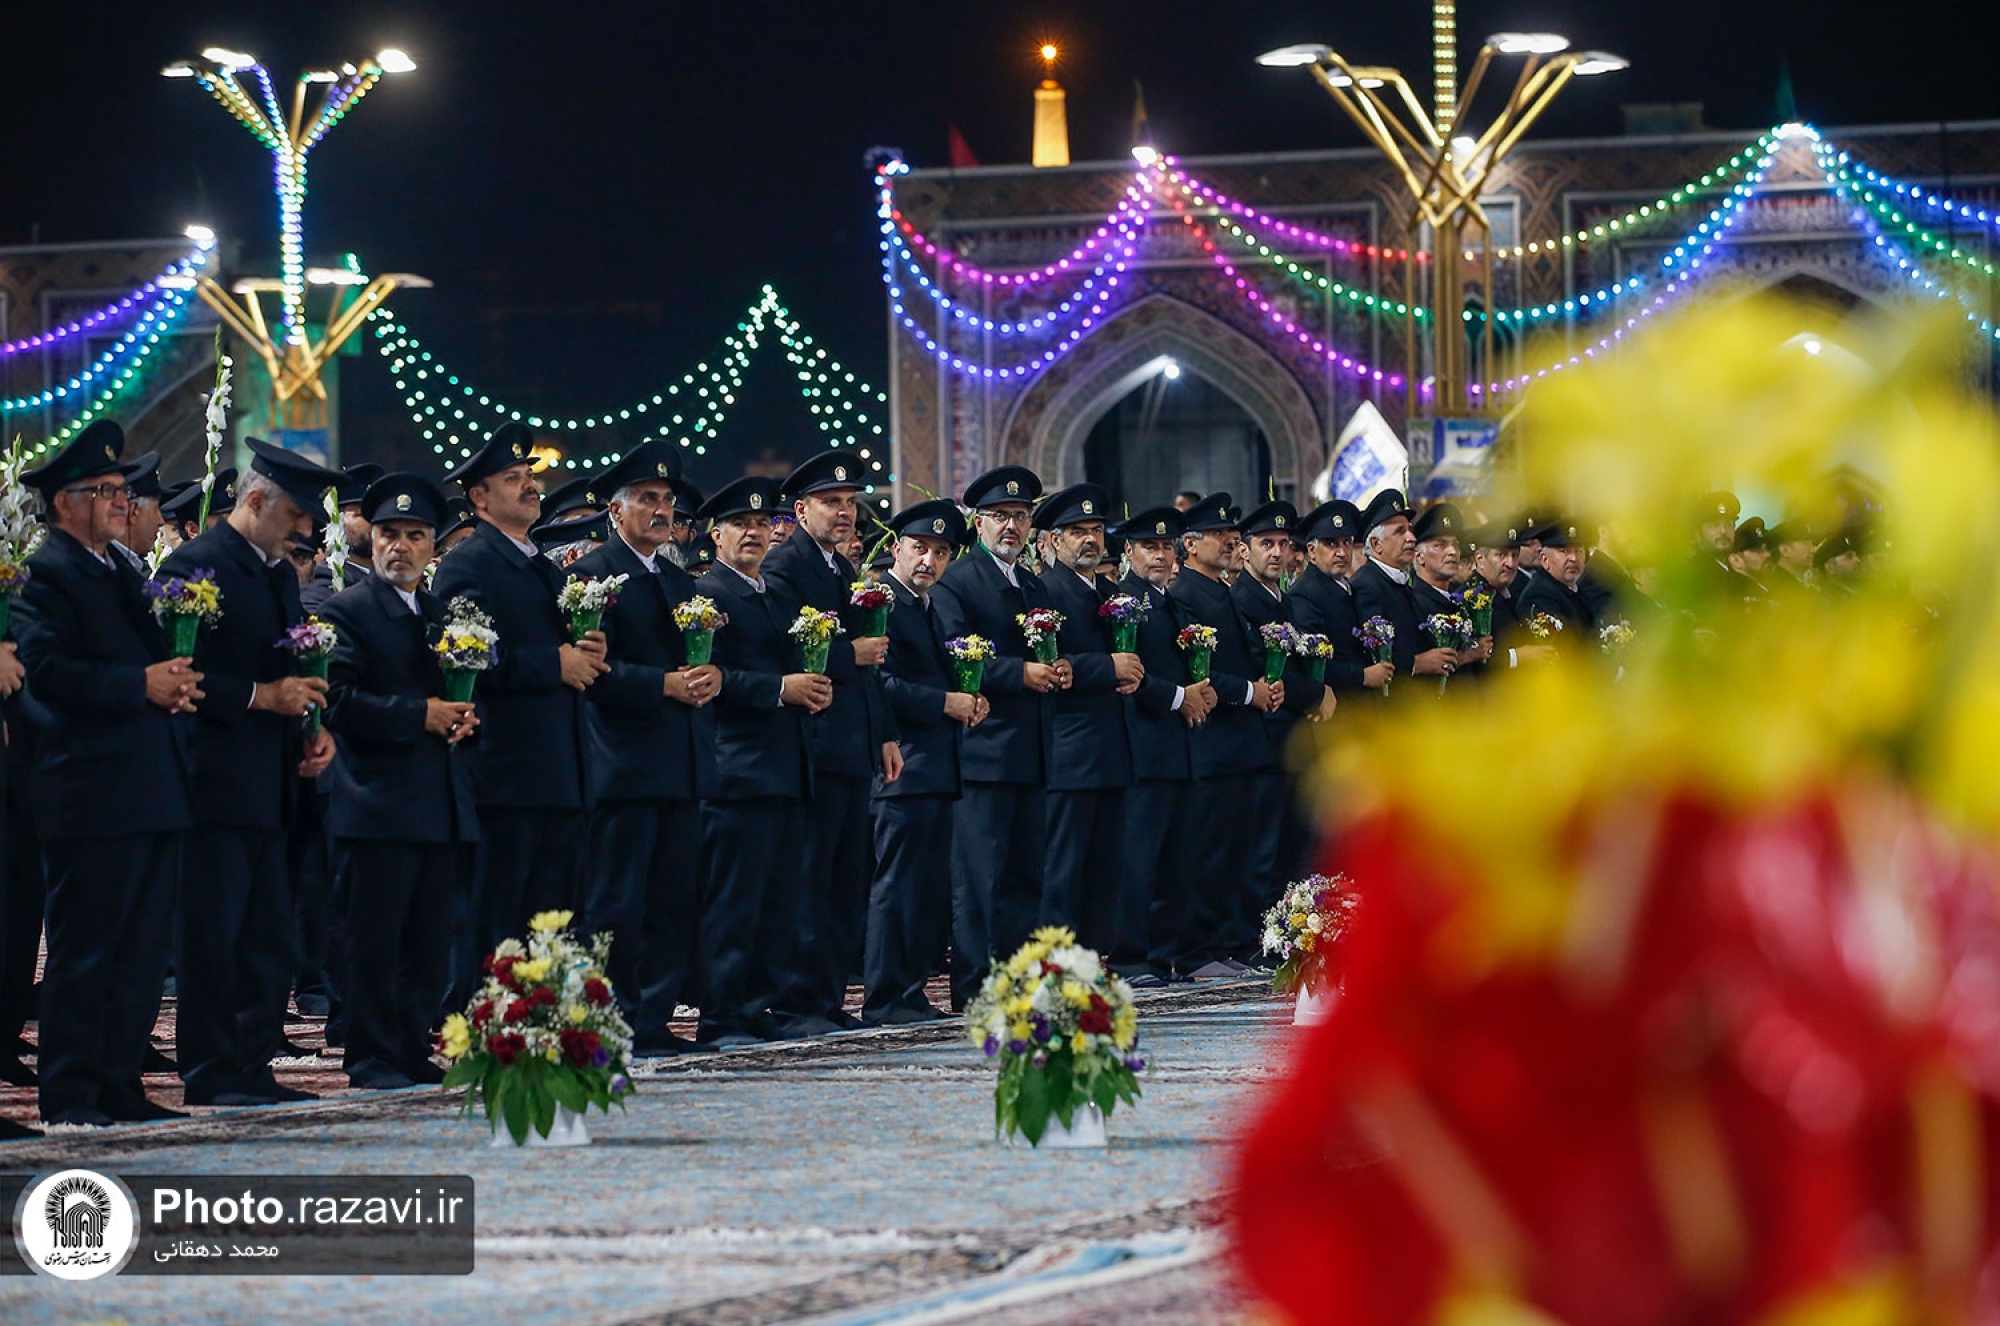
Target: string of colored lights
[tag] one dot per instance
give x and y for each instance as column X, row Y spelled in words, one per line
column 173, row 305
column 1333, row 356
column 965, row 270
column 1026, row 327
column 142, row 332
column 1910, row 266
column 1212, row 197
column 97, row 317
column 1887, row 210
column 1639, row 217
column 1923, row 197
column 821, row 375
column 1686, row 258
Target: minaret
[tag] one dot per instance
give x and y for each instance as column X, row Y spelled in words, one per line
column 1051, row 117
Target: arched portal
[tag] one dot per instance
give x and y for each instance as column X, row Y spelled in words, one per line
column 1049, row 427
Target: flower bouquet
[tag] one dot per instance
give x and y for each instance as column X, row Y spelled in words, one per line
column 1281, row 641
column 1477, row 601
column 1543, row 626
column 183, row 605
column 20, row 532
column 1125, row 612
column 1378, row 636
column 814, row 630
column 585, row 601
column 542, row 1040
column 1448, row 630
column 1064, row 1034
column 1198, row 643
column 1303, row 930
column 1315, row 650
column 699, row 620
column 872, row 602
column 1616, row 636
column 969, row 656
column 1039, row 627
column 466, row 646
column 310, row 644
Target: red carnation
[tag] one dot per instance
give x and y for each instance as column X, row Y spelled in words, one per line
column 503, row 972
column 576, row 1045
column 596, row 992
column 482, row 1012
column 541, row 995
column 507, row 1048
column 517, row 1011
column 1096, row 1019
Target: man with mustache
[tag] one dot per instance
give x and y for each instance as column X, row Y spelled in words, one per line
column 1382, row 587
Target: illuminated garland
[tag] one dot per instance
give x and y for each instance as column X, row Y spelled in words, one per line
column 1908, row 265
column 1887, row 211
column 143, row 334
column 123, row 380
column 1028, row 327
column 1923, row 197
column 99, row 317
column 1224, row 203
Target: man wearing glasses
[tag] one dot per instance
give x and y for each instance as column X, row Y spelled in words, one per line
column 110, row 786
column 999, row 827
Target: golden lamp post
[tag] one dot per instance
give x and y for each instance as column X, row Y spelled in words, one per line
column 290, row 354
column 1443, row 169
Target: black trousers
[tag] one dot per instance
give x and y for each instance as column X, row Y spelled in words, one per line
column 530, row 859
column 1163, row 834
column 24, row 888
column 822, row 939
column 998, row 844
column 1201, row 932
column 316, row 912
column 110, row 906
column 643, row 887
column 749, row 849
column 1261, row 873
column 909, row 904
column 1085, row 863
column 399, row 899
column 233, row 956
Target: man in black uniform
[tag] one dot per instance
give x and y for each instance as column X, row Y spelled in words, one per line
column 233, row 963
column 142, row 488
column 530, row 768
column 851, row 741
column 353, row 486
column 1554, row 591
column 1163, row 827
column 909, row 904
column 1090, row 765
column 110, row 787
column 1382, row 587
column 1434, row 569
column 1323, row 601
column 400, row 805
column 763, row 774
column 1495, row 566
column 1000, row 825
column 646, row 763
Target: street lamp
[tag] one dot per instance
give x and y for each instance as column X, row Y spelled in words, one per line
column 1444, row 168
column 294, row 361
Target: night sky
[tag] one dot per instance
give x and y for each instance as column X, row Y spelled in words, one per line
column 599, row 190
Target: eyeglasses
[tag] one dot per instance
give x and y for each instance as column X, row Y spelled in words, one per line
column 784, row 518
column 1005, row 517
column 102, row 492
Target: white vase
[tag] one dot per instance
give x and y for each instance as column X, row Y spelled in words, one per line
column 567, row 1130
column 1086, row 1129
column 1315, row 1006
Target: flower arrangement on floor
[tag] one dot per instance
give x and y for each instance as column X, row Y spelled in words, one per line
column 969, row 656
column 1281, row 641
column 1198, row 643
column 310, row 644
column 586, row 599
column 543, row 1031
column 814, row 630
column 466, row 646
column 1378, row 636
column 1124, row 612
column 699, row 620
column 1062, row 1031
column 20, row 531
column 183, row 605
column 1303, row 931
column 1039, row 627
column 872, row 602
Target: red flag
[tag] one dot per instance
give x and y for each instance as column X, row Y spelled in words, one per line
column 961, row 151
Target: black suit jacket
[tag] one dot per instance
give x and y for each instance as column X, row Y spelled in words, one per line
column 972, row 597
column 1159, row 737
column 915, row 680
column 760, row 745
column 847, row 735
column 105, row 759
column 391, row 779
column 640, row 745
column 315, row 593
column 1092, row 750
column 1260, row 608
column 1234, row 739
column 1376, row 595
column 530, row 724
column 245, row 763
column 1547, row 594
column 1324, row 606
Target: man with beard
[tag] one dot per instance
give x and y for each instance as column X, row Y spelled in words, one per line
column 752, row 820
column 1749, row 553
column 909, row 904
column 1436, row 568
column 1323, row 602
column 1496, row 568
column 852, row 740
column 1164, row 827
column 1792, row 541
column 1000, row 824
column 1382, row 587
column 529, row 775
column 354, row 529
column 400, row 804
column 646, row 764
column 1091, row 758
column 1554, row 591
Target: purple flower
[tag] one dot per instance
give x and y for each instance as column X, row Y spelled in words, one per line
column 1017, row 1047
column 600, row 1059
column 1136, row 1064
column 620, row 1084
column 992, row 1046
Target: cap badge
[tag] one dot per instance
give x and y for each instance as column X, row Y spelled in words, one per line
column 1013, row 487
column 109, row 454
column 756, row 501
column 589, row 496
column 517, row 451
column 1160, row 527
column 1340, row 522
column 663, row 469
column 402, row 501
column 937, row 526
column 840, row 471
column 1086, row 506
column 229, row 490
column 1279, row 521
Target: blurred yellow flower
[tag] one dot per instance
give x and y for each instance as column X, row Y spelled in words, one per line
column 549, row 922
column 536, row 969
column 578, row 1014
column 1079, row 1043
column 455, row 1039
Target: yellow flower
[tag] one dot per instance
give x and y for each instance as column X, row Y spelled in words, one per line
column 1055, row 936
column 537, row 970
column 553, row 1054
column 1018, row 1005
column 1019, row 1031
column 1298, row 920
column 456, row 1038
column 578, row 1014
column 1079, row 1043
column 550, row 922
column 1307, row 940
column 1123, row 1028
column 1074, row 992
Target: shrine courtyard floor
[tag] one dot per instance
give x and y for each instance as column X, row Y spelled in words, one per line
column 852, row 1179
